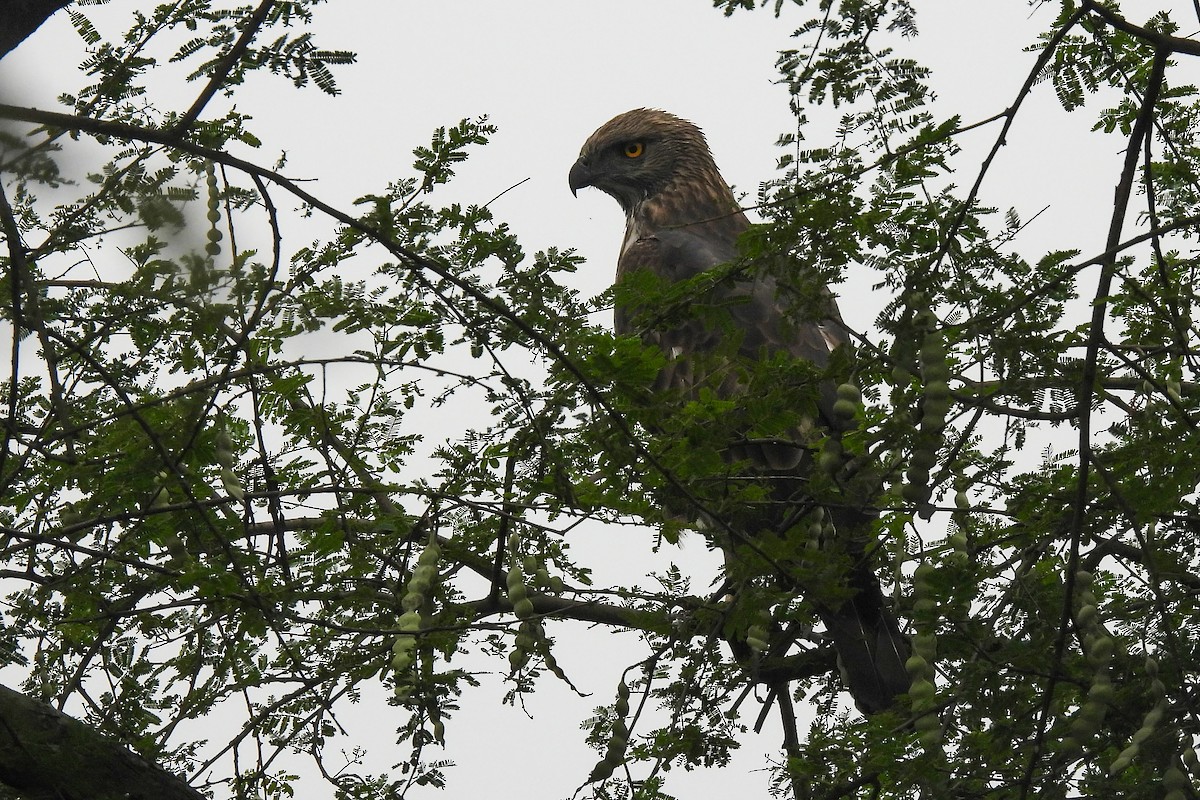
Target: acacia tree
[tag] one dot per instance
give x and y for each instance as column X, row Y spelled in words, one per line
column 200, row 517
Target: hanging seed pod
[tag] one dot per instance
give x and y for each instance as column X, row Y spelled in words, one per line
column 403, row 652
column 618, row 740
column 517, row 659
column 527, row 638
column 430, row 555
column 1098, row 649
column 224, row 447
column 935, row 405
column 919, row 665
column 849, row 400
column 1190, row 760
column 213, row 246
column 523, row 645
column 516, row 588
column 1176, row 782
column 621, row 707
column 1149, row 723
column 227, row 460
column 405, row 646
column 1173, row 392
column 416, row 592
column 830, row 459
column 757, row 638
column 231, row 484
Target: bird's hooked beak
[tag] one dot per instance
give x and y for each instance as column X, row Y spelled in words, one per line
column 581, row 175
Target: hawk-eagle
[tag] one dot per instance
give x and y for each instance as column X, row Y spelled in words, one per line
column 681, row 220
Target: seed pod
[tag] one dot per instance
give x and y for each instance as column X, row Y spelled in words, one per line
column 224, row 446
column 1124, row 759
column 430, row 555
column 1173, row 392
column 526, row 637
column 162, row 498
column 921, row 692
column 1174, row 780
column 620, row 733
column 175, row 547
column 518, row 593
column 231, row 484
column 844, row 409
column 927, row 721
column 403, row 652
column 922, row 459
column 925, row 644
column 1149, row 724
column 917, row 476
column 922, row 575
column 935, row 410
column 1101, row 650
column 1102, row 691
column 523, row 608
column 617, row 744
column 1086, row 617
column 514, row 578
column 914, row 494
column 916, row 665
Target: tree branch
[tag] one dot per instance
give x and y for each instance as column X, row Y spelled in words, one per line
column 22, row 17
column 1161, row 41
column 224, row 67
column 45, row 755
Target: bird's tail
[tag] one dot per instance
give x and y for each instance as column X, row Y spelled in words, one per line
column 870, row 647
column 858, row 620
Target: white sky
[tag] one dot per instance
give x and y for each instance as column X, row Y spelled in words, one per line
column 548, row 72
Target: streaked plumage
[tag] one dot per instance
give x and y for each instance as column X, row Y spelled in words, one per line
column 681, row 220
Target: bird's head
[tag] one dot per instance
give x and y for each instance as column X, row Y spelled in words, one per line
column 639, row 154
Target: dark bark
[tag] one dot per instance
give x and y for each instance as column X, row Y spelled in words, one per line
column 20, row 18
column 47, row 755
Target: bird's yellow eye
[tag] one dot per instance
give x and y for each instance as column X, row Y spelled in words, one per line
column 634, row 150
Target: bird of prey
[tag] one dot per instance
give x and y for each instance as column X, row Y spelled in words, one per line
column 681, row 220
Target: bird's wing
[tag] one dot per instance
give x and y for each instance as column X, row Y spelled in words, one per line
column 755, row 307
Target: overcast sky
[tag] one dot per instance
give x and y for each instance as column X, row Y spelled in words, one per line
column 548, row 72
